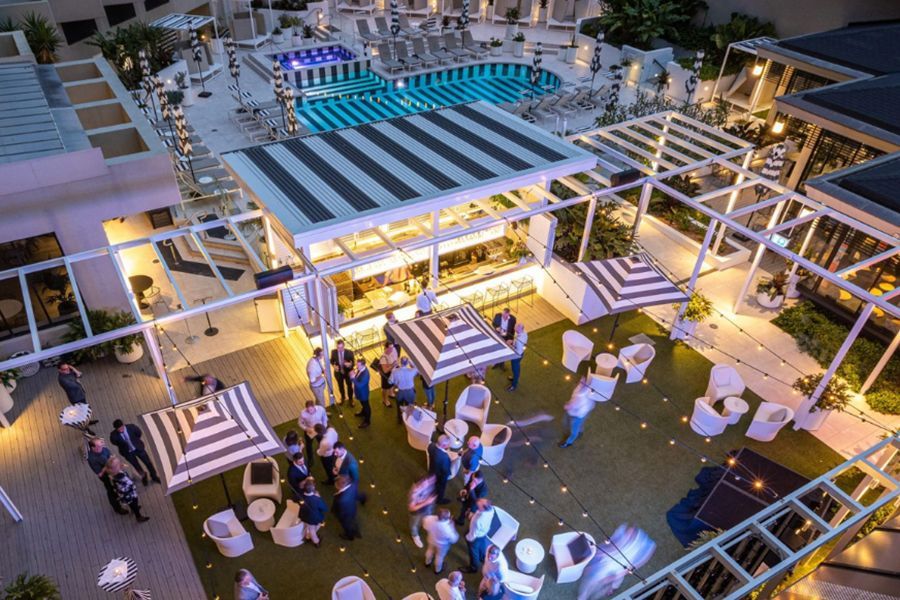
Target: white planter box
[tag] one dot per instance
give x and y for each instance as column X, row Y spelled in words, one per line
column 137, row 351
column 217, row 46
column 815, row 419
column 496, row 50
column 518, row 49
column 188, row 99
column 644, row 63
column 685, row 330
column 511, row 30
column 297, row 40
column 167, row 75
column 766, row 301
column 570, row 54
column 278, row 38
column 792, row 291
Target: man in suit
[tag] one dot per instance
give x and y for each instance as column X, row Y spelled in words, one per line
column 247, row 588
column 360, row 378
column 208, row 384
column 505, row 324
column 343, row 506
column 327, row 437
column 475, row 490
column 297, row 474
column 127, row 438
column 477, row 537
column 342, row 364
column 97, row 457
column 439, row 466
column 345, row 463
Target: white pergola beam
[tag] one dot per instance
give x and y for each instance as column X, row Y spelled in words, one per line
column 346, row 250
column 673, row 139
column 165, row 267
column 868, row 262
column 621, row 156
column 82, row 310
column 752, row 208
column 796, row 221
column 637, row 150
column 664, row 148
column 212, row 264
column 29, row 313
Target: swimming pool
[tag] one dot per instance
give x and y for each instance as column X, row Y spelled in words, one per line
column 311, row 57
column 363, row 97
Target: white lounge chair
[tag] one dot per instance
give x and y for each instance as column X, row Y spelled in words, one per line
column 270, row 489
column 602, row 387
column 289, row 530
column 522, row 586
column 436, row 48
column 504, row 528
column 401, row 53
column 570, row 567
column 635, row 360
column 420, row 424
column 724, row 381
column 576, row 348
column 229, row 535
column 494, row 439
column 768, row 420
column 706, row 420
column 352, row 588
column 473, row 405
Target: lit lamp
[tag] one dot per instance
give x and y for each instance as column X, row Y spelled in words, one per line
column 757, row 70
column 778, row 127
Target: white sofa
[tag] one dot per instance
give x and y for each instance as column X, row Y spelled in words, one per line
column 706, row 420
column 507, row 531
column 517, row 586
column 289, row 531
column 266, row 490
column 567, row 569
column 351, row 588
column 492, row 452
column 229, row 535
column 635, row 359
column 473, row 404
column 768, row 420
column 724, row 381
column 576, row 348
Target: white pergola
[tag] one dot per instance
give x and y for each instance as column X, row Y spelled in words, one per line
column 747, row 47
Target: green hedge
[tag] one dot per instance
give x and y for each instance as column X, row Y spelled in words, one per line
column 820, row 337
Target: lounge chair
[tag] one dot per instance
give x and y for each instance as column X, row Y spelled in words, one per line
column 572, row 552
column 362, row 26
column 420, row 51
column 706, row 420
column 768, row 420
column 402, row 54
column 469, row 43
column 456, row 49
column 384, row 55
column 543, row 109
column 435, row 45
column 564, row 105
column 408, row 29
column 382, row 27
column 583, row 100
column 576, row 348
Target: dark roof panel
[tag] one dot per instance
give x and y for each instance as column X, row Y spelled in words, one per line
column 875, row 101
column 879, row 183
column 869, row 47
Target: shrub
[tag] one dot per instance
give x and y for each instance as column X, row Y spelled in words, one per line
column 884, row 401
column 835, row 396
column 638, row 22
column 32, row 587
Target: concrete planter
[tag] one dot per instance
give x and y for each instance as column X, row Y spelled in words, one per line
column 277, row 38
column 496, row 50
column 511, row 30
column 815, row 419
column 167, row 75
column 137, row 351
column 643, row 65
column 297, row 40
column 792, row 291
column 518, row 49
column 489, row 15
column 570, row 54
column 542, row 15
column 767, row 301
column 188, row 99
column 685, row 330
column 217, row 46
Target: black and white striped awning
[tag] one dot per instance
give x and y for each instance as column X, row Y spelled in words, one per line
column 117, row 574
column 201, row 438
column 627, row 283
column 450, row 343
column 318, row 180
column 182, row 22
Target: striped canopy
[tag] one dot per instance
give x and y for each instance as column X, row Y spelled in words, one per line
column 450, row 343
column 201, row 438
column 630, row 282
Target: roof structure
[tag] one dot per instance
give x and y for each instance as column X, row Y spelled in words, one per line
column 27, row 127
column 875, row 101
column 870, row 188
column 432, row 160
column 852, row 46
column 182, row 22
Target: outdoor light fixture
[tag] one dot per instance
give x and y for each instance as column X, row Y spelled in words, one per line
column 777, row 127
column 757, row 70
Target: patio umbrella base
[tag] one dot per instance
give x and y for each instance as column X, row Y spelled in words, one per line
column 211, row 331
column 204, row 94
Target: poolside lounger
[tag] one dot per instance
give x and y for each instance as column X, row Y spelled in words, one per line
column 425, row 57
column 402, row 54
column 421, row 52
column 542, row 109
column 408, row 29
column 524, row 110
column 362, row 26
column 583, row 100
column 384, row 55
column 469, row 43
column 383, row 30
column 563, row 106
column 453, row 48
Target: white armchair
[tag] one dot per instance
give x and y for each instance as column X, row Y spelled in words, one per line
column 706, row 420
column 724, row 381
column 266, row 489
column 494, row 439
column 473, row 404
column 442, row 588
column 569, row 566
column 635, row 360
column 576, row 348
column 229, row 535
column 504, row 528
column 288, row 531
column 352, row 588
column 519, row 586
column 420, row 424
column 601, row 387
column 768, row 420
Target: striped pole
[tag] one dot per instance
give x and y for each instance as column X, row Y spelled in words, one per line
column 290, row 124
column 536, row 67
column 395, row 19
column 463, row 22
column 234, row 67
column 184, row 139
column 278, row 85
column 146, row 82
column 197, row 52
column 595, row 61
column 690, row 86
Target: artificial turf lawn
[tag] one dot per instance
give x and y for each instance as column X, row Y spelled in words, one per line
column 621, row 472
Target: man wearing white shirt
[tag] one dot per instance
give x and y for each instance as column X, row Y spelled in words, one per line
column 328, row 437
column 495, row 565
column 315, row 369
column 311, row 416
column 476, row 538
column 577, row 409
column 457, row 586
column 426, row 300
column 441, row 536
column 518, row 345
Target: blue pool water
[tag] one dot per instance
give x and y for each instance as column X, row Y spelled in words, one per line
column 354, row 99
column 301, row 59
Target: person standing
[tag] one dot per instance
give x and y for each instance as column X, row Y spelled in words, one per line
column 327, row 437
column 125, row 488
column 311, row 416
column 429, row 392
column 247, row 588
column 312, row 512
column 505, row 324
column 471, row 457
column 342, row 363
column 292, row 443
column 386, row 364
column 404, row 378
column 457, row 586
column 495, row 565
column 476, row 538
column 345, row 463
column 297, row 474
column 518, row 344
column 315, row 370
column 426, row 300
column 421, row 504
column 490, row 589
column 360, row 380
column 475, row 490
column 208, row 384
column 127, row 438
column 441, row 536
column 69, row 379
column 577, row 409
column 439, row 465
column 389, row 339
column 343, row 506
column 98, row 456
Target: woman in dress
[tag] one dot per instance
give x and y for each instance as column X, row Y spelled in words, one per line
column 125, row 488
column 389, row 359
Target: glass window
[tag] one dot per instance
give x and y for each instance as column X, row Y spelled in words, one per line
column 75, row 31
column 119, row 13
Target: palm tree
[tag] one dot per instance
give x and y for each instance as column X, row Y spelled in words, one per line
column 42, row 38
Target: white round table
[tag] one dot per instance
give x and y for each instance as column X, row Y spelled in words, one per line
column 529, row 554
column 262, row 512
column 735, row 408
column 606, row 363
column 457, row 429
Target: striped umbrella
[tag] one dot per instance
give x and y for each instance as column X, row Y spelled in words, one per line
column 395, row 19
column 773, row 166
column 184, row 138
column 164, row 109
column 278, row 85
column 197, row 53
column 536, row 66
column 290, row 123
column 613, row 99
column 146, row 83
column 201, row 438
column 595, row 60
column 233, row 65
column 690, row 85
column 463, row 22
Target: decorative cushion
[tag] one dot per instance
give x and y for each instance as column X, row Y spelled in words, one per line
column 644, row 354
column 416, row 415
column 261, row 473
column 579, row 549
column 475, row 398
column 496, row 524
column 500, row 437
column 778, row 415
column 218, row 528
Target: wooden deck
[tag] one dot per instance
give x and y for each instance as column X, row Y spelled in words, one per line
column 69, row 531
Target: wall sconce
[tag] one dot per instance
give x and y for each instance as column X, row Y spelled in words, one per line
column 778, row 127
column 757, row 70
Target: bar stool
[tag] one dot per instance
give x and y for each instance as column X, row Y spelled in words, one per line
column 493, row 295
column 522, row 286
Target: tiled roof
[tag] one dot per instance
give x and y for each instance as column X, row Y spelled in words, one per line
column 875, row 101
column 872, row 48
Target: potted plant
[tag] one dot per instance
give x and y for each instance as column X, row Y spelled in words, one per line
column 31, row 587
column 8, row 379
column 308, row 34
column 100, row 322
column 277, row 36
column 490, row 10
column 835, row 396
column 542, row 11
column 445, row 23
column 519, row 45
column 175, row 97
column 296, row 29
column 183, row 83
column 128, row 349
column 770, row 292
column 698, row 309
column 57, row 281
column 571, row 51
column 496, row 46
column 42, row 38
column 512, row 22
